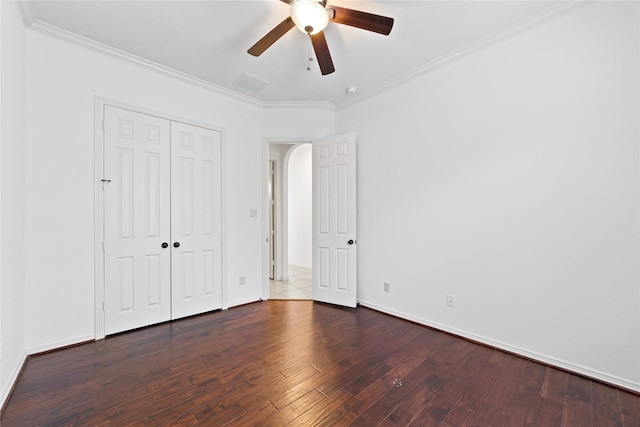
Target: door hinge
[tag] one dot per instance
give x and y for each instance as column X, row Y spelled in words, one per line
column 103, row 246
column 103, row 125
column 102, row 305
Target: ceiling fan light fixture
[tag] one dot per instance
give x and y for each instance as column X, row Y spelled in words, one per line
column 310, row 16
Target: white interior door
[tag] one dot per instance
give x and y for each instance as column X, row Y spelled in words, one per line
column 137, row 267
column 334, row 220
column 196, row 224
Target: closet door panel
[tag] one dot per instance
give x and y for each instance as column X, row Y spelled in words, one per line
column 136, row 220
column 196, row 224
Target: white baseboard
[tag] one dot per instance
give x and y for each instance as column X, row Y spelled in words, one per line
column 59, row 344
column 562, row 364
column 12, row 380
column 243, row 302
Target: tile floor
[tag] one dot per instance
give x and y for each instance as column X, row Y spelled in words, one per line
column 297, row 287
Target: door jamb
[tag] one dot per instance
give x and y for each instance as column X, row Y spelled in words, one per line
column 99, row 270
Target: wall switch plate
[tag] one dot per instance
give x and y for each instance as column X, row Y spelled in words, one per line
column 253, row 213
column 242, row 281
column 387, row 286
column 451, row 300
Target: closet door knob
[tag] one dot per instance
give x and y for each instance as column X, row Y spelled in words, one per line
column 350, row 242
column 176, row 244
column 165, row 245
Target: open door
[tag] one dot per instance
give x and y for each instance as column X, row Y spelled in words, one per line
column 334, row 220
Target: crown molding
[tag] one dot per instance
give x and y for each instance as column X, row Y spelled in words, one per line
column 31, row 21
column 326, row 105
column 464, row 51
column 120, row 54
column 134, row 59
column 28, row 13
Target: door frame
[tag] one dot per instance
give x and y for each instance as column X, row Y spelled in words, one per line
column 294, row 142
column 99, row 269
column 274, row 227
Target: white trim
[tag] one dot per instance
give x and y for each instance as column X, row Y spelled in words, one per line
column 299, row 105
column 59, row 345
column 572, row 367
column 464, row 51
column 243, row 302
column 126, row 56
column 99, row 285
column 98, row 200
column 13, row 379
column 265, row 220
column 28, row 12
column 32, row 22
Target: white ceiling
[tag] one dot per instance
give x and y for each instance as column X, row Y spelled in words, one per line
column 209, row 39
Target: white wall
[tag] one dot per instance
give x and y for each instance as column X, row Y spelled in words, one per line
column 301, row 121
column 510, row 179
column 299, row 206
column 12, row 200
column 62, row 81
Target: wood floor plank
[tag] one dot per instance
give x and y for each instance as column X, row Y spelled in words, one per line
column 408, row 410
column 320, row 412
column 629, row 408
column 218, row 415
column 302, row 363
column 404, row 381
column 291, row 411
column 579, row 388
column 506, row 384
column 546, row 412
column 554, row 385
column 367, row 378
column 339, row 418
column 606, row 409
column 577, row 412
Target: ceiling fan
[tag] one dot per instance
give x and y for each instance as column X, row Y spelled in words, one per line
column 311, row 17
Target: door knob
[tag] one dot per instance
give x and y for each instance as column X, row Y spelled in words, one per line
column 351, row 242
column 176, row 244
column 165, row 245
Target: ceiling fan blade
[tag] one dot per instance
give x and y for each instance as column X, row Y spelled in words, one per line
column 272, row 36
column 366, row 21
column 323, row 56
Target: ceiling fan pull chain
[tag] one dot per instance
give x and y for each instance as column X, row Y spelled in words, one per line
column 309, row 58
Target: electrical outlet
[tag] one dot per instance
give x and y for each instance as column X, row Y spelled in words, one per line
column 451, row 300
column 387, row 286
column 241, row 280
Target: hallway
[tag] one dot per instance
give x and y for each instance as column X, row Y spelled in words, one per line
column 297, row 287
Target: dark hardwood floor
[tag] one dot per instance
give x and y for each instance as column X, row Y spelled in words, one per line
column 281, row 363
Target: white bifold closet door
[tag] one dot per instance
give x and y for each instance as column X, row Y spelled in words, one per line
column 162, row 199
column 196, row 280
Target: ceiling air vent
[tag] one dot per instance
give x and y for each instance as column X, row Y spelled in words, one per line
column 248, row 81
